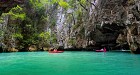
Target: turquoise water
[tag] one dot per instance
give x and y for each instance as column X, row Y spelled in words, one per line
column 69, row 63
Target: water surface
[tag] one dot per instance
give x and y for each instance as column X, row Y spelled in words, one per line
column 69, row 63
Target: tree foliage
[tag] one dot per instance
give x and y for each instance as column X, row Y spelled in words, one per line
column 35, row 21
column 17, row 13
column 63, row 4
column 45, row 35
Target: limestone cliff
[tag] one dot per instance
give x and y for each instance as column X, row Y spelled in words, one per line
column 119, row 24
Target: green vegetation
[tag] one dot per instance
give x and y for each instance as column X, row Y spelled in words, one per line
column 17, row 13
column 35, row 23
column 63, row 4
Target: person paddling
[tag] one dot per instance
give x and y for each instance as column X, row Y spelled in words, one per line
column 104, row 49
column 55, row 50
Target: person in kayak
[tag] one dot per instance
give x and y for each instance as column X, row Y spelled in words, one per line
column 55, row 50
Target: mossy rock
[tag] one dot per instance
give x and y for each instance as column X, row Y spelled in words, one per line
column 12, row 50
column 32, row 48
column 45, row 48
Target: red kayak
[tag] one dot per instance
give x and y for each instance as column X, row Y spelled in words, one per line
column 101, row 50
column 56, row 51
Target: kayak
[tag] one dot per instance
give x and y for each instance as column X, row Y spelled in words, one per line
column 56, row 51
column 101, row 50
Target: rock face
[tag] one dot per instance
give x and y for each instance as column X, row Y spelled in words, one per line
column 6, row 5
column 106, row 36
column 32, row 48
column 119, row 24
column 12, row 50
